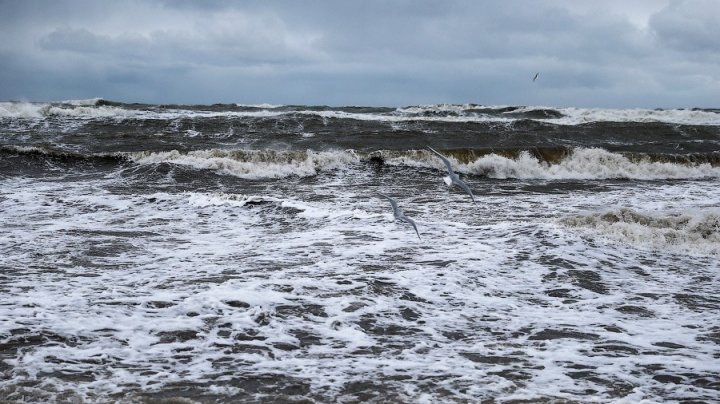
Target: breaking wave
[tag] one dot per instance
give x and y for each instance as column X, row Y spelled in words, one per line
column 563, row 116
column 100, row 108
column 558, row 164
column 694, row 116
column 253, row 164
column 524, row 164
column 694, row 233
column 46, row 153
column 86, row 109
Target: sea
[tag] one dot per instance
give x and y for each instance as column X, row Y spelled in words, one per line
column 241, row 253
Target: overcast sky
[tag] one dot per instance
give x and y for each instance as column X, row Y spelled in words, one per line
column 626, row 53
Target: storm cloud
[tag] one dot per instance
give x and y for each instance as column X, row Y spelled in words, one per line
column 613, row 54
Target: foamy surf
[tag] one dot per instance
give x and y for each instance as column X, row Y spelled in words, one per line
column 224, row 199
column 257, row 263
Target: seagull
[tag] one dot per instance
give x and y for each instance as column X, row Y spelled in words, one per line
column 399, row 214
column 452, row 178
column 536, row 76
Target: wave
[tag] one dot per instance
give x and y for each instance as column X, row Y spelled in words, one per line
column 248, row 164
column 695, row 233
column 589, row 164
column 562, row 164
column 83, row 109
column 260, row 106
column 89, row 102
column 65, row 156
column 578, row 116
column 561, row 116
column 551, row 163
column 458, row 113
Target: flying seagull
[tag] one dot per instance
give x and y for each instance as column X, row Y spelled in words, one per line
column 452, row 178
column 536, row 76
column 399, row 214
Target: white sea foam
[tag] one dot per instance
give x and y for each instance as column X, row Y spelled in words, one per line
column 253, row 164
column 21, row 110
column 90, row 112
column 438, row 108
column 125, row 292
column 204, row 199
column 401, row 117
column 28, row 149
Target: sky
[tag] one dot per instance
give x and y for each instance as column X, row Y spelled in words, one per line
column 611, row 54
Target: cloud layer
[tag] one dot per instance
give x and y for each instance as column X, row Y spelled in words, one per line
column 614, row 54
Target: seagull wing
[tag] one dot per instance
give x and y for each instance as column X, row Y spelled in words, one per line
column 392, row 201
column 412, row 222
column 465, row 188
column 446, row 161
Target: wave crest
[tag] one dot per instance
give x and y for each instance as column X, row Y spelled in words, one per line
column 592, row 163
column 84, row 109
column 454, row 113
column 562, row 164
column 257, row 164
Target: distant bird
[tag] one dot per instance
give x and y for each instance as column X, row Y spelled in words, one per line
column 399, row 214
column 536, row 76
column 452, row 178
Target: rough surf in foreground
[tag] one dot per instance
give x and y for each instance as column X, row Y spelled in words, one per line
column 143, row 266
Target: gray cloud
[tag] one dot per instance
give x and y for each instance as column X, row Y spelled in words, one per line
column 371, row 52
column 227, row 39
column 689, row 26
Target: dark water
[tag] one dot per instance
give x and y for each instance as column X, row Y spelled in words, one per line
column 227, row 253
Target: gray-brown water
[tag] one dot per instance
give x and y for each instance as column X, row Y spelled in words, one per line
column 231, row 253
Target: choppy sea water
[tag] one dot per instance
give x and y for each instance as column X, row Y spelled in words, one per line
column 235, row 253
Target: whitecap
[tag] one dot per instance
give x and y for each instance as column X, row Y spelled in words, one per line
column 253, row 164
column 580, row 163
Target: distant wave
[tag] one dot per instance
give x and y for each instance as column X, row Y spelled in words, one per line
column 561, row 116
column 260, row 106
column 65, row 156
column 692, row 232
column 89, row 102
column 87, row 109
column 100, row 108
column 578, row 116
